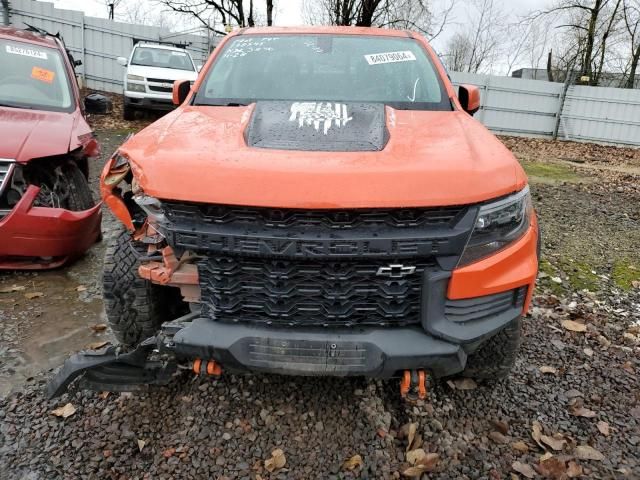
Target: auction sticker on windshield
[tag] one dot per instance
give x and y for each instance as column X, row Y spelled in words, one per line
column 42, row 74
column 390, row 57
column 28, row 52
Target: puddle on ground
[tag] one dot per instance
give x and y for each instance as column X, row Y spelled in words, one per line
column 39, row 333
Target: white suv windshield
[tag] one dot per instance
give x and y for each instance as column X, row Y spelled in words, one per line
column 162, row 57
column 33, row 76
column 355, row 68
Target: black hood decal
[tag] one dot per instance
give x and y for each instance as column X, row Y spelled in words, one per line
column 318, row 126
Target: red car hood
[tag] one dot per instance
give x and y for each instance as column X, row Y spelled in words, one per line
column 431, row 158
column 28, row 134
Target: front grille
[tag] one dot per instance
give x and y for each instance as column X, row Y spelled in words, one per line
column 292, row 292
column 282, row 218
column 477, row 308
column 160, row 80
column 155, row 88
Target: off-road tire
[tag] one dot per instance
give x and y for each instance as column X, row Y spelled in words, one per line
column 128, row 113
column 495, row 358
column 79, row 197
column 135, row 307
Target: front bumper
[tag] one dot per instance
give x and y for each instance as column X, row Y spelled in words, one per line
column 41, row 237
column 149, row 101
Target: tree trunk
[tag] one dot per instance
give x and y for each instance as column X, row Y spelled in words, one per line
column 269, row 13
column 250, row 19
column 591, row 33
column 634, row 67
column 549, row 66
column 603, row 50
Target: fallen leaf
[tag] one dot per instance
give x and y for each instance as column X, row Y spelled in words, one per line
column 547, row 369
column 96, row 345
column 65, row 411
column 411, row 434
column 502, row 427
column 586, row 452
column 462, row 384
column 557, row 442
column 415, row 456
column 12, row 288
column 588, row 352
column 603, row 427
column 415, row 471
column 81, row 288
column 552, row 468
column 276, row 462
column 352, row 463
column 497, row 437
column 426, row 464
column 99, row 327
column 520, row 446
column 523, row 469
column 582, row 412
column 536, row 433
column 574, row 470
column 546, row 457
column 141, row 444
column 635, row 283
column 32, row 295
column 104, row 395
column 574, row 326
column 628, row 367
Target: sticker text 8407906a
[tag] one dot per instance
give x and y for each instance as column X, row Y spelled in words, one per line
column 27, row 52
column 390, row 57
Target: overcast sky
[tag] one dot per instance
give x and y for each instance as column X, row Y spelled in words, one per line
column 289, row 12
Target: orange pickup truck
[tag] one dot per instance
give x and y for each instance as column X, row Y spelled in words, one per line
column 320, row 203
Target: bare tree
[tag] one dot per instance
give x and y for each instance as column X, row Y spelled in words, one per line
column 589, row 27
column 631, row 15
column 476, row 48
column 408, row 14
column 269, row 13
column 111, row 7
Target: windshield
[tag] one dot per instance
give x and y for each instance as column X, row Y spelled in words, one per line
column 33, row 76
column 163, row 58
column 346, row 68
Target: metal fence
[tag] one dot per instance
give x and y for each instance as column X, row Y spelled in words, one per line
column 98, row 42
column 510, row 106
column 513, row 106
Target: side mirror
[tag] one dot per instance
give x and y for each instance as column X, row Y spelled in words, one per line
column 181, row 90
column 122, row 61
column 198, row 68
column 469, row 96
column 96, row 103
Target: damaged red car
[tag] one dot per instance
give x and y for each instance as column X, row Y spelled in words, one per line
column 47, row 213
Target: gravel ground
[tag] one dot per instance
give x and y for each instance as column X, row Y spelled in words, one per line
column 578, row 416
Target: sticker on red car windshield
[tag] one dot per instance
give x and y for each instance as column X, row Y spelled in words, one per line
column 390, row 57
column 42, row 74
column 27, row 52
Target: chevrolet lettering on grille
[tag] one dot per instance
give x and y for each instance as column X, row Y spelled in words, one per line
column 395, row 271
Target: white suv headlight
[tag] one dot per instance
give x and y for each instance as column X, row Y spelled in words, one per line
column 498, row 224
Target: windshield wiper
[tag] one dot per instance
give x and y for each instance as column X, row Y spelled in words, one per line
column 222, row 104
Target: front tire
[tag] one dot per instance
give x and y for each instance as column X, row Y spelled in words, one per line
column 79, row 197
column 496, row 357
column 128, row 113
column 135, row 307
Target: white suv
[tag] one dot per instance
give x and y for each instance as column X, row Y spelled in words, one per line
column 151, row 71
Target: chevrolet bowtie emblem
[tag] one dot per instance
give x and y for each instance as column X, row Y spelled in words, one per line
column 395, row 271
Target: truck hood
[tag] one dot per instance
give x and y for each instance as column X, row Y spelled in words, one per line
column 429, row 158
column 28, row 134
column 162, row 73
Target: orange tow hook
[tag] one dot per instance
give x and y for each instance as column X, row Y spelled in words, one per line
column 414, row 384
column 210, row 368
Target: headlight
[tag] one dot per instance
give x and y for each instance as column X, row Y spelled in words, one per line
column 151, row 206
column 135, row 87
column 137, row 78
column 498, row 224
